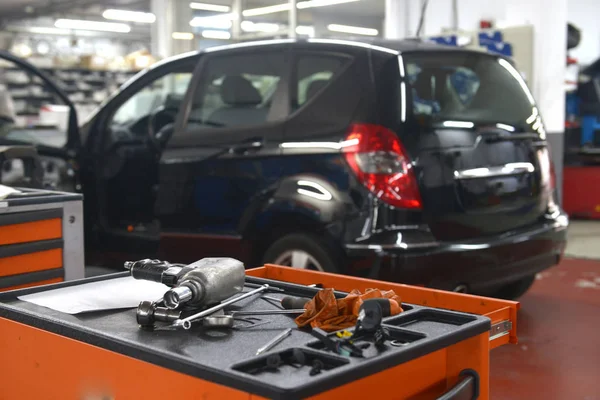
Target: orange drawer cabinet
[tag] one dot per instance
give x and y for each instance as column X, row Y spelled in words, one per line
column 41, row 238
column 441, row 350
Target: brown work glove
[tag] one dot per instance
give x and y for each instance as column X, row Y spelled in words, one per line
column 330, row 314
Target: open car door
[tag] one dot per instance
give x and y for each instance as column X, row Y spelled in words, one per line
column 25, row 92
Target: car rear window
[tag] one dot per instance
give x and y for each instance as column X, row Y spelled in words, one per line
column 462, row 86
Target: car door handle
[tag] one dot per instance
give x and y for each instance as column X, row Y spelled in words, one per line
column 509, row 169
column 252, row 144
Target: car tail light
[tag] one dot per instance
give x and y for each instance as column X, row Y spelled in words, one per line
column 380, row 162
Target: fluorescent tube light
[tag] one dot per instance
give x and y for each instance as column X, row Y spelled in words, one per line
column 357, row 30
column 215, row 22
column 132, row 16
column 249, row 26
column 305, row 30
column 86, row 25
column 209, row 7
column 182, row 35
column 42, row 30
column 321, row 3
column 251, row 12
column 216, row 34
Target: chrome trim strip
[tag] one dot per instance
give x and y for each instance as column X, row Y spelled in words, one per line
column 509, row 169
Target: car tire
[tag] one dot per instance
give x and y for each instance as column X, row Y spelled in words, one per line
column 514, row 290
column 312, row 251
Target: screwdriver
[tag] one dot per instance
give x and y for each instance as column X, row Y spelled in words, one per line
column 289, row 302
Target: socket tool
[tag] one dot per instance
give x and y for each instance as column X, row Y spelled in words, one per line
column 273, row 342
column 186, row 323
column 149, row 312
column 206, row 281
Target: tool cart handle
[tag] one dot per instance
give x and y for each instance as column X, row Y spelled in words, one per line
column 466, row 389
column 31, row 163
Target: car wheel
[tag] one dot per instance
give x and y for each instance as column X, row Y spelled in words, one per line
column 302, row 251
column 514, row 290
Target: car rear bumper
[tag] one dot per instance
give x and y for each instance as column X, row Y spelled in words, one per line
column 481, row 265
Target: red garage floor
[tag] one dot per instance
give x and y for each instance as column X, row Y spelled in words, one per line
column 558, row 355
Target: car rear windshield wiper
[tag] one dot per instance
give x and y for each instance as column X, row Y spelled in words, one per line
column 498, row 137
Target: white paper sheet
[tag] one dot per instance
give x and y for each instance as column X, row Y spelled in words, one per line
column 5, row 191
column 108, row 294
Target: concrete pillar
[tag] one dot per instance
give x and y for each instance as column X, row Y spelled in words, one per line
column 162, row 29
column 171, row 16
column 236, row 10
column 292, row 19
column 397, row 19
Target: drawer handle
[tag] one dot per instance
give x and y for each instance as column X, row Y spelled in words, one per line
column 466, row 389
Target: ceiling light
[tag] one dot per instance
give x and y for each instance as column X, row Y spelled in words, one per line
column 42, row 30
column 266, row 10
column 216, row 35
column 85, row 25
column 22, row 50
column 321, row 3
column 209, row 7
column 249, row 26
column 133, row 16
column 182, row 35
column 357, row 30
column 305, row 30
column 286, row 7
column 222, row 21
column 42, row 48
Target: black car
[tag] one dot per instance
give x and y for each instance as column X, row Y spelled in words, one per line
column 403, row 161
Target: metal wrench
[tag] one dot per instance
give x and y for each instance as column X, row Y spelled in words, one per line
column 186, row 323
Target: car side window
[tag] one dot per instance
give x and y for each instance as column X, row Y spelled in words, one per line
column 313, row 73
column 237, row 90
column 167, row 91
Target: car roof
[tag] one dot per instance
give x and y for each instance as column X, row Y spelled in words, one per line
column 381, row 45
column 391, row 46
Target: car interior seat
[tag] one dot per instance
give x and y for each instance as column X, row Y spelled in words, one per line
column 241, row 101
column 315, row 87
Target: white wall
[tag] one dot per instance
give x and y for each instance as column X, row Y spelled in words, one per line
column 585, row 14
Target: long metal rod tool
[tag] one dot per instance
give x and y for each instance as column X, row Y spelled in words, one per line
column 268, row 312
column 272, row 343
column 186, row 322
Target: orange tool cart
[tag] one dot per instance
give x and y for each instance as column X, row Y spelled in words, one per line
column 41, row 238
column 438, row 348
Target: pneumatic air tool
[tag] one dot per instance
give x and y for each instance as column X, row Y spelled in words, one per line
column 202, row 283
